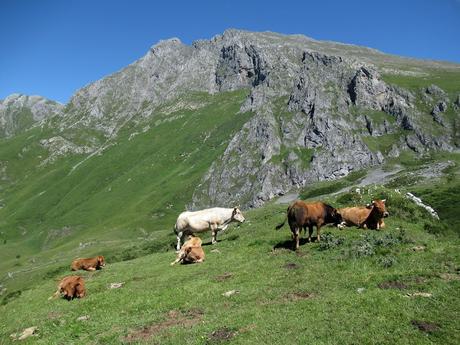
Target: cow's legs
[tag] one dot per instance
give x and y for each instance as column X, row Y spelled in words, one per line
column 318, row 234
column 295, row 237
column 310, row 232
column 56, row 294
column 213, row 233
column 179, row 237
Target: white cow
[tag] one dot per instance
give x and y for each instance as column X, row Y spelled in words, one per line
column 214, row 219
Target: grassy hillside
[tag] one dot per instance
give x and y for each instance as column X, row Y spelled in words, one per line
column 134, row 188
column 354, row 287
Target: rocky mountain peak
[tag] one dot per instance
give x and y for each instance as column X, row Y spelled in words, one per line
column 318, row 109
column 19, row 112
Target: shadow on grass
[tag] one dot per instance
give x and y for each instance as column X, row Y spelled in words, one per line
column 289, row 244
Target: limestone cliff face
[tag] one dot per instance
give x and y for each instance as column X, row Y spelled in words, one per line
column 318, row 109
column 20, row 112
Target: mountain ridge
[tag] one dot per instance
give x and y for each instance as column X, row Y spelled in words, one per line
column 331, row 91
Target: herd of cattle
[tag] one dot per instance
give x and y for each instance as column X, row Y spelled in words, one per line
column 300, row 215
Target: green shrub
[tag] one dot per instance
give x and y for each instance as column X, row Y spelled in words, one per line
column 329, row 241
column 387, row 261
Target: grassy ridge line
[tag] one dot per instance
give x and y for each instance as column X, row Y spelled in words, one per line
column 137, row 186
column 446, row 80
column 284, row 297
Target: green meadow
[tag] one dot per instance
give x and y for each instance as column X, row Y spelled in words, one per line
column 353, row 287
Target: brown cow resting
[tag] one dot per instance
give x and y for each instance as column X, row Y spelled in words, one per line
column 367, row 217
column 190, row 252
column 301, row 214
column 89, row 264
column 70, row 287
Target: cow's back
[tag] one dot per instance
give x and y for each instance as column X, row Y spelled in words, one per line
column 302, row 213
column 188, row 219
column 354, row 215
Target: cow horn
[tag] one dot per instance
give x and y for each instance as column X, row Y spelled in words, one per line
column 384, row 200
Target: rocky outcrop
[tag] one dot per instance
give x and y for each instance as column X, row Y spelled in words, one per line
column 437, row 111
column 268, row 157
column 20, row 112
column 58, row 146
column 319, row 109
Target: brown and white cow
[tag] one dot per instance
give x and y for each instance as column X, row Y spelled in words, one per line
column 88, row 264
column 367, row 217
column 301, row 214
column 215, row 219
column 71, row 287
column 190, row 252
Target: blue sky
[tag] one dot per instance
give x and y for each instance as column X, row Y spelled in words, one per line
column 52, row 48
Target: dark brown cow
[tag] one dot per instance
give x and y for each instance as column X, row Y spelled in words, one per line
column 301, row 214
column 70, row 287
column 367, row 217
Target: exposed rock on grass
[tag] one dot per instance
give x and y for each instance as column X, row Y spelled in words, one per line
column 230, row 293
column 419, row 294
column 28, row 332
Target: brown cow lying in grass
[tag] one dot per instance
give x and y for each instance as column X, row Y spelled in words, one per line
column 89, row 264
column 190, row 252
column 301, row 214
column 70, row 287
column 367, row 217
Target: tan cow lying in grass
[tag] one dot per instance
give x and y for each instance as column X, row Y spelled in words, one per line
column 367, row 217
column 71, row 287
column 88, row 264
column 190, row 252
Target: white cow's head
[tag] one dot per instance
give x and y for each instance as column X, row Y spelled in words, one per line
column 237, row 215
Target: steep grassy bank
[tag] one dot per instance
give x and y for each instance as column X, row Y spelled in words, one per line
column 354, row 287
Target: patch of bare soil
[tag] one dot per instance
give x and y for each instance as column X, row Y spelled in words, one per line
column 223, row 277
column 291, row 266
column 425, row 326
column 392, row 284
column 173, row 318
column 297, row 296
column 220, row 335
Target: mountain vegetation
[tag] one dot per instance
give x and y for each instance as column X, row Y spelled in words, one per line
column 249, row 119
